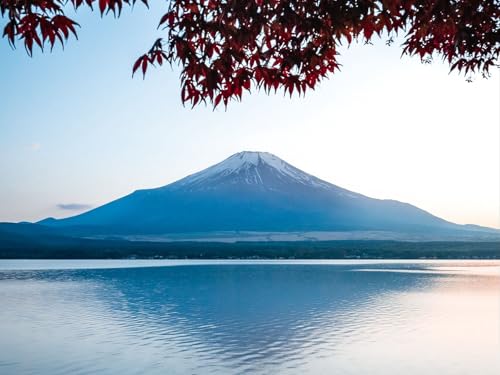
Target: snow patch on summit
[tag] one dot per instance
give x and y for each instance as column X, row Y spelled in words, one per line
column 245, row 160
column 249, row 167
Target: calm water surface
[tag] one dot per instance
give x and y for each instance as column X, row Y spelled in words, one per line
column 232, row 317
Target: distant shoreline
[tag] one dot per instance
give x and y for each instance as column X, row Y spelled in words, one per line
column 77, row 248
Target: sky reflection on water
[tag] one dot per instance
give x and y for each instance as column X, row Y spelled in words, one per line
column 261, row 318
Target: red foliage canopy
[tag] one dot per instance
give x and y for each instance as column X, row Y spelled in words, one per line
column 228, row 46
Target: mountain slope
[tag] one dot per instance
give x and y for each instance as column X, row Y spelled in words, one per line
column 251, row 191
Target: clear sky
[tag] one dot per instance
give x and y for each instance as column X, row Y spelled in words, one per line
column 76, row 131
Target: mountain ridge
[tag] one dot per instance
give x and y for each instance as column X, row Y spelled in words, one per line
column 252, row 191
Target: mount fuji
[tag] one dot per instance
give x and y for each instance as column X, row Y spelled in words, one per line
column 254, row 192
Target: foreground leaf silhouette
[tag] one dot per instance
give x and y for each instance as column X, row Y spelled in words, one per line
column 226, row 47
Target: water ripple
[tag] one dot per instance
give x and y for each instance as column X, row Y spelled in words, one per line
column 251, row 318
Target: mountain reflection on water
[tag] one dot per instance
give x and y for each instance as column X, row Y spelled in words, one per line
column 252, row 318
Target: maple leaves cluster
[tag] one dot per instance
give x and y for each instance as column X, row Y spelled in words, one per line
column 42, row 22
column 466, row 33
column 226, row 47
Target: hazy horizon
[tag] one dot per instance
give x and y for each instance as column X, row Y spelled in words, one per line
column 78, row 132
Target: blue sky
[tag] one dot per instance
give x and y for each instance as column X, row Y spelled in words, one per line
column 77, row 131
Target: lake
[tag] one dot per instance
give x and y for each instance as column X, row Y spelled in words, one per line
column 253, row 317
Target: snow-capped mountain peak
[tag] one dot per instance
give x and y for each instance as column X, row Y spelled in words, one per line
column 248, row 159
column 251, row 191
column 250, row 168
